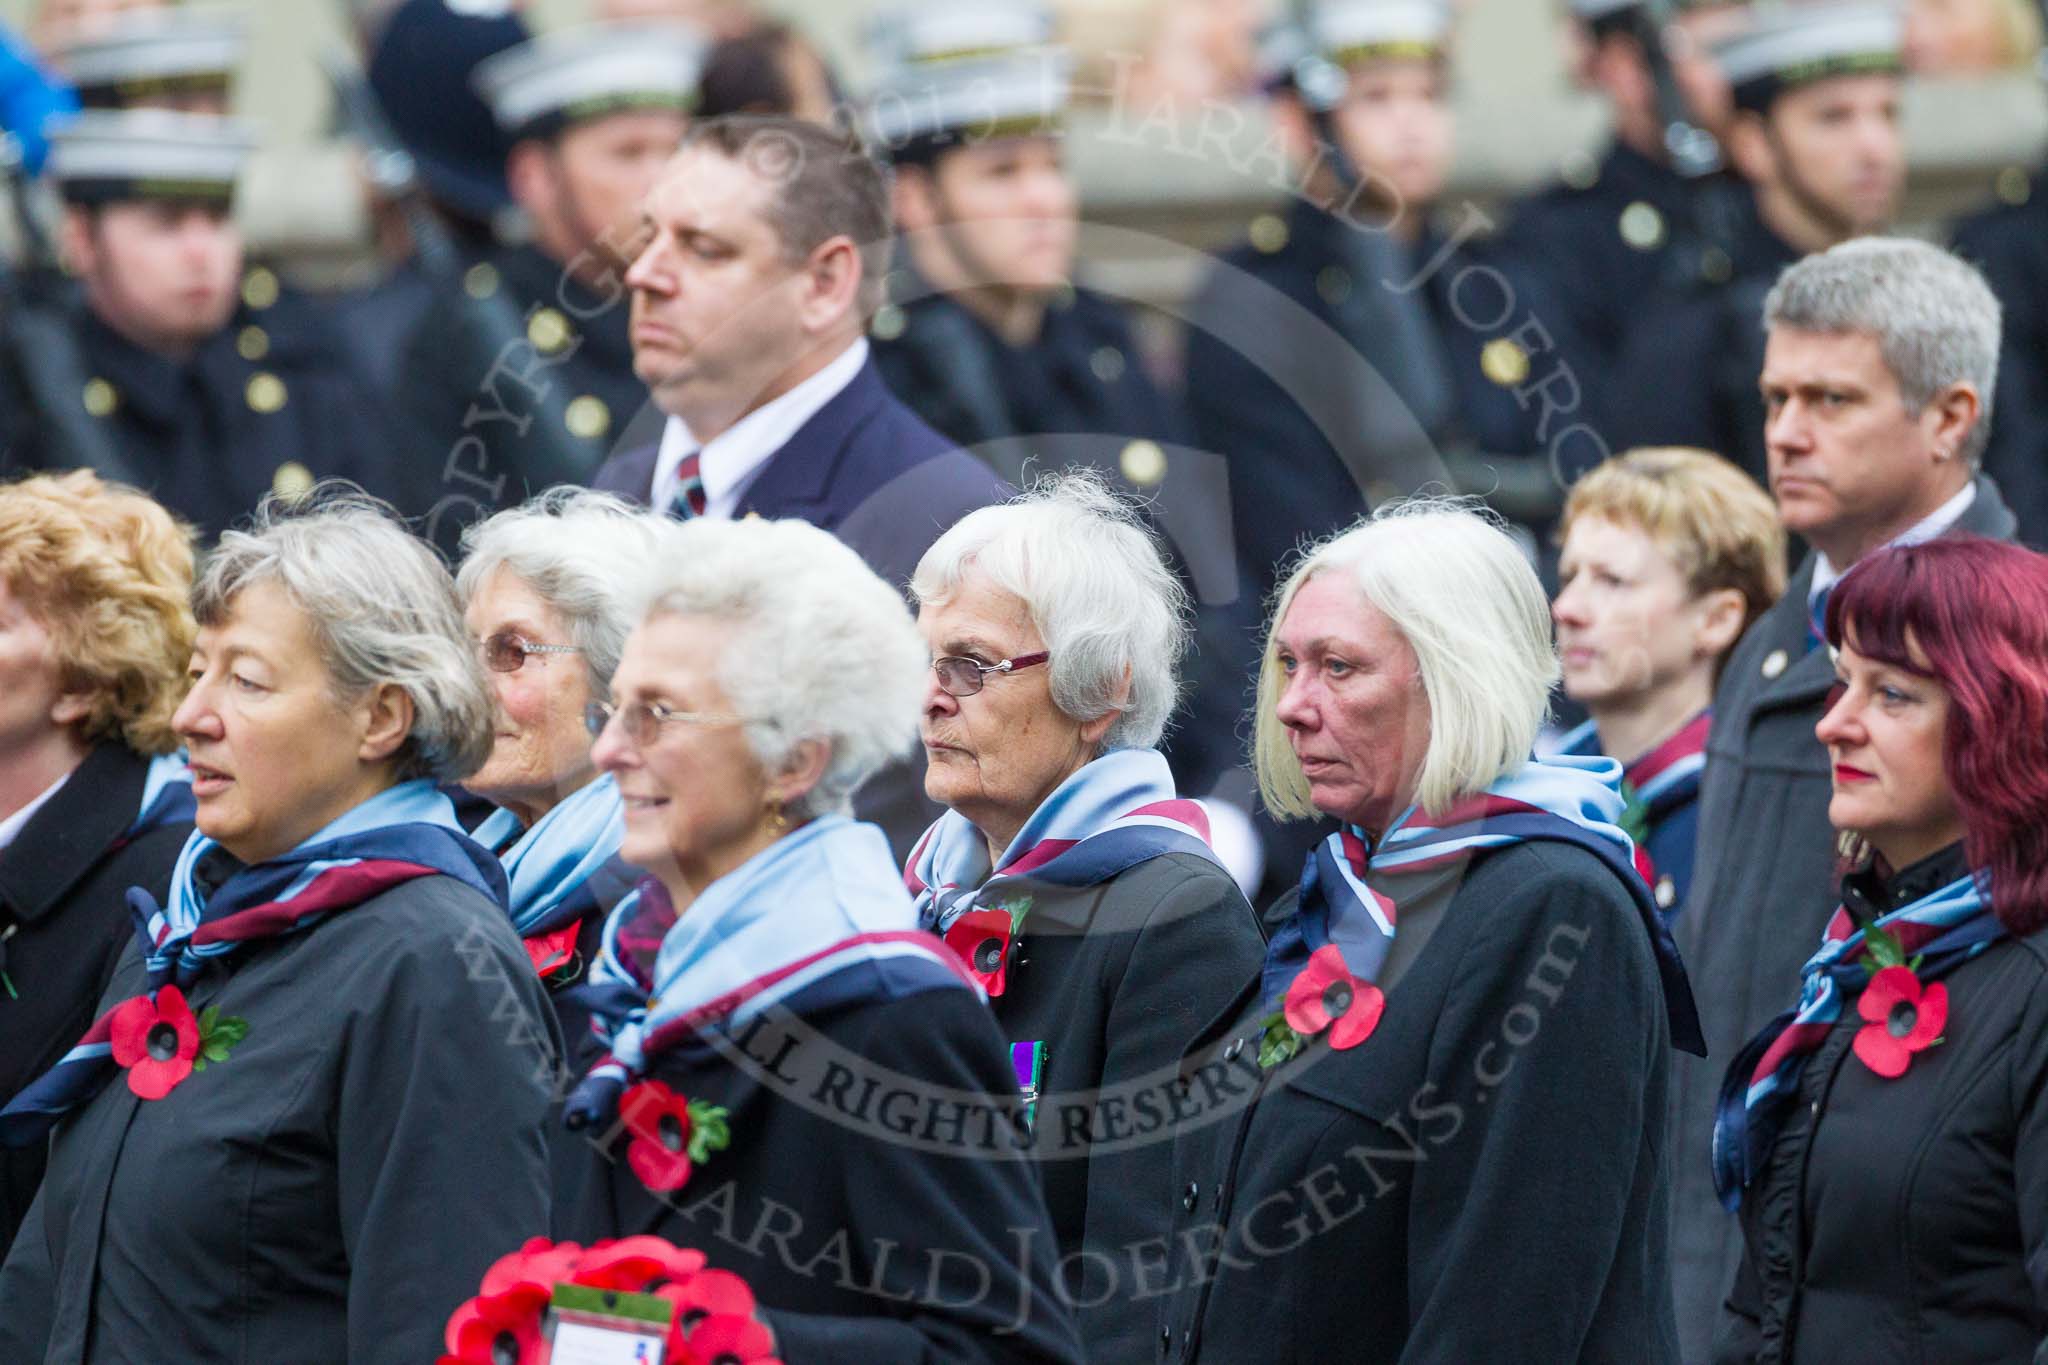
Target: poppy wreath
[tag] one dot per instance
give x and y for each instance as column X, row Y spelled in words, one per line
column 982, row 940
column 160, row 1042
column 1324, row 996
column 714, row 1322
column 1902, row 1018
column 670, row 1134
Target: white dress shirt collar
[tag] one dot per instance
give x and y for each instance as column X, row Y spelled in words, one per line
column 729, row 461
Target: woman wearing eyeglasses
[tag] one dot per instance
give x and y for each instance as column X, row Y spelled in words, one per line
column 812, row 1092
column 1068, row 872
column 545, row 588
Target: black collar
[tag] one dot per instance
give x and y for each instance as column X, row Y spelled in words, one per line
column 74, row 828
column 1874, row 889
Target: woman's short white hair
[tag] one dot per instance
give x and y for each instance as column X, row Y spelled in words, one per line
column 381, row 605
column 583, row 552
column 1113, row 616
column 1467, row 601
column 822, row 649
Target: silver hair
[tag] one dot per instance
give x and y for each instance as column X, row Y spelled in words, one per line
column 1468, row 603
column 1935, row 319
column 382, row 606
column 583, row 553
column 822, row 649
column 1112, row 614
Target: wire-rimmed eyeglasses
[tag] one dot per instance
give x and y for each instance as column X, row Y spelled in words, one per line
column 642, row 720
column 507, row 651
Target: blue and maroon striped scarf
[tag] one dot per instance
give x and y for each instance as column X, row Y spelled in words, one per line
column 818, row 913
column 1656, row 784
column 1109, row 815
column 1348, row 882
column 406, row 832
column 1946, row 927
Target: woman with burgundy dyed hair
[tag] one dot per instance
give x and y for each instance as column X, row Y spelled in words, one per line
column 1886, row 1139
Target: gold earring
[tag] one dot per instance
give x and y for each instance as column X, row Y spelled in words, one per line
column 778, row 822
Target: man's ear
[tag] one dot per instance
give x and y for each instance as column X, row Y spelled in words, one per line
column 831, row 285
column 528, row 174
column 77, row 243
column 1952, row 415
column 915, row 198
column 1749, row 148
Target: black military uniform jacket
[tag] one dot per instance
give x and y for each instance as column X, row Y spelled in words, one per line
column 1606, row 244
column 336, row 1187
column 65, row 924
column 1481, row 1179
column 1907, row 1219
column 1762, row 888
column 2010, row 245
column 266, row 403
column 1113, row 981
column 874, row 1217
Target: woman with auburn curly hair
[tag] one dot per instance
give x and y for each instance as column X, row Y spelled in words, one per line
column 1894, row 1193
column 95, row 628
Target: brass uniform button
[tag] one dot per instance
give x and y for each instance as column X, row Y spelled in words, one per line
column 1108, row 364
column 2014, row 186
column 100, row 398
column 265, row 393
column 1504, row 362
column 259, row 288
column 1667, row 893
column 1269, row 234
column 548, row 330
column 253, row 343
column 292, row 480
column 1642, row 227
column 889, row 323
column 1143, row 463
column 1333, row 282
column 587, row 417
column 480, row 281
column 1774, row 663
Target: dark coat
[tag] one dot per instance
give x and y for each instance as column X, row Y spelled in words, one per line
column 215, row 432
column 1115, row 980
column 62, row 883
column 337, row 1186
column 1762, row 889
column 1608, row 246
column 1479, row 1180
column 2010, row 245
column 1907, row 1220
column 866, row 469
column 868, row 1228
column 1687, row 373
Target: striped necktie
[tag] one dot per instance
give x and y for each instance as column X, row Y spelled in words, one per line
column 689, row 499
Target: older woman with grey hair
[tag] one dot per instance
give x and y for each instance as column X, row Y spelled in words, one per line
column 312, row 1108
column 545, row 589
column 1068, row 872
column 800, row 1044
column 1456, row 1055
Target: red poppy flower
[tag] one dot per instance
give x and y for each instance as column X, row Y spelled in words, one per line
column 982, row 939
column 533, row 1271
column 659, row 1120
column 496, row 1330
column 156, row 1041
column 1903, row 1018
column 1327, row 994
column 722, row 1339
column 550, row 953
column 634, row 1264
column 709, row 1293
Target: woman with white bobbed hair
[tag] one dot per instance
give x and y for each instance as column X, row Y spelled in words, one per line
column 546, row 589
column 312, row 1107
column 1456, row 1056
column 1068, row 872
column 770, row 674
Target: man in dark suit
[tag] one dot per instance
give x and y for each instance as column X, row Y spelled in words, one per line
column 1878, row 373
column 765, row 239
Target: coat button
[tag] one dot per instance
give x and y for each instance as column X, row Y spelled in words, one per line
column 1774, row 663
column 1143, row 463
column 1189, row 1196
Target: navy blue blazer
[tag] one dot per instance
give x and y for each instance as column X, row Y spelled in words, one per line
column 865, row 468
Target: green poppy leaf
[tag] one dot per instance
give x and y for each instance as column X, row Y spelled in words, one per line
column 214, row 1051
column 207, row 1018
column 199, row 1062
